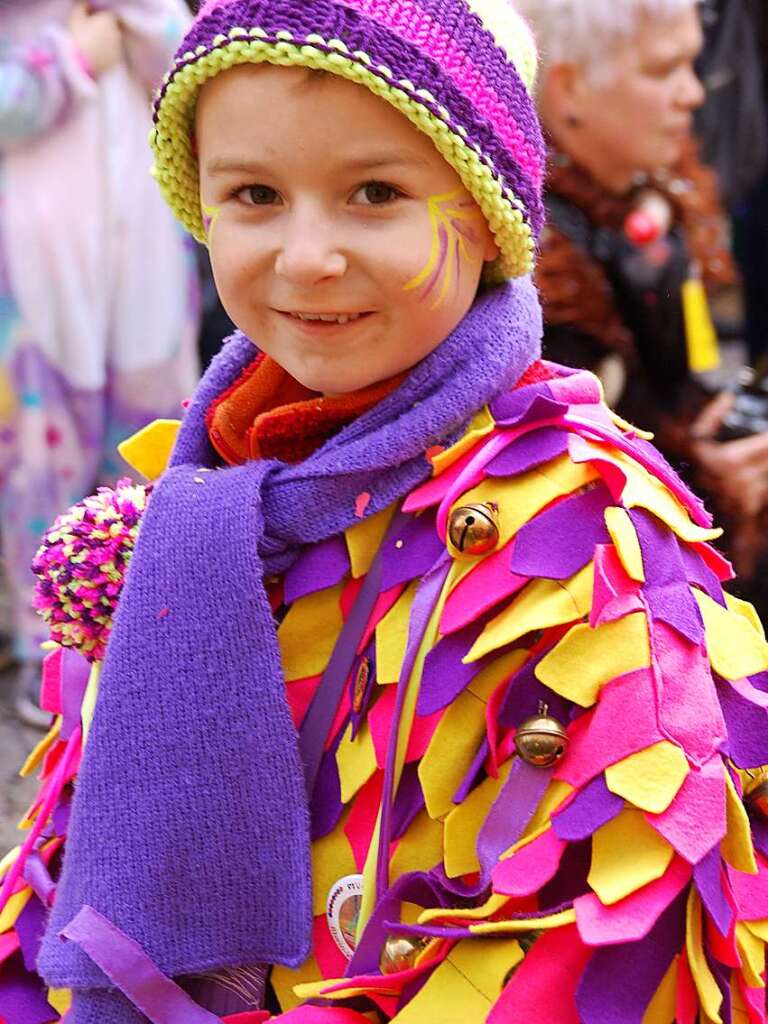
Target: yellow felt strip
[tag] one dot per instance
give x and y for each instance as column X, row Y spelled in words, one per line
column 613, row 874
column 42, row 748
column 356, row 761
column 585, row 659
column 747, row 610
column 624, row 537
column 332, row 859
column 60, row 999
column 752, row 954
column 646, row 491
column 463, row 825
column 541, row 604
column 8, row 859
column 739, row 1014
column 486, row 962
column 482, row 424
column 492, row 905
column 530, row 924
column 450, row 752
column 759, row 928
column 709, row 993
column 420, row 848
column 284, row 980
column 734, row 647
column 308, row 633
column 363, row 540
column 651, row 778
column 392, row 637
column 149, row 450
column 9, row 915
column 663, row 1006
column 89, row 700
column 737, row 847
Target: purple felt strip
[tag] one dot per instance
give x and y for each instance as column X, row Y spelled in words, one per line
column 421, row 610
column 535, row 402
column 511, row 811
column 529, row 451
column 415, row 887
column 468, row 782
column 130, row 970
column 562, row 539
column 722, row 976
column 699, row 573
column 326, row 807
column 760, row 834
column 620, row 981
column 408, row 802
column 318, row 566
column 444, row 675
column 526, row 692
column 37, row 876
column 61, row 813
column 747, row 726
column 666, row 588
column 30, row 925
column 75, row 672
column 760, row 681
column 325, row 701
column 23, row 998
column 711, row 881
column 412, row 551
column 592, row 807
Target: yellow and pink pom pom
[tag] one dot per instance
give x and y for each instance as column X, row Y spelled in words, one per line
column 81, row 566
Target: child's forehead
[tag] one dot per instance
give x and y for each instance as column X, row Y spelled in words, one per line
column 266, row 107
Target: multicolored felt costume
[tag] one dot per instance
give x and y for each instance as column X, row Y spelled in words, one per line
column 447, row 720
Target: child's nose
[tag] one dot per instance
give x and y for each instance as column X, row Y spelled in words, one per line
column 310, row 252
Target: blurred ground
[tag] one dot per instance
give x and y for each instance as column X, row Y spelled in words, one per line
column 16, row 741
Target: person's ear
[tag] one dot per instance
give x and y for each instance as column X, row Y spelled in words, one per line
column 565, row 93
column 491, row 251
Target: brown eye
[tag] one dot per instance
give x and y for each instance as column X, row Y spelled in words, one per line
column 377, row 193
column 258, row 195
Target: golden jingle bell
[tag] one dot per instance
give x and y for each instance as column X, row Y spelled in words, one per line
column 473, row 530
column 541, row 740
column 399, row 953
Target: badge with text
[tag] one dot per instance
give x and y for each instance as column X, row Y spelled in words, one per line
column 342, row 912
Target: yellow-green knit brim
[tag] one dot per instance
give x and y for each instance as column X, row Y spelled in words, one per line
column 176, row 168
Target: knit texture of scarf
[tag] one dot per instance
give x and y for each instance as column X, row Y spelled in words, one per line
column 189, row 829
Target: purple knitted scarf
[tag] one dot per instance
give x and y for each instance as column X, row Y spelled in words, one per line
column 190, row 824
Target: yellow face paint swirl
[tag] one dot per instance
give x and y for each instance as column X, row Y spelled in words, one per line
column 451, row 215
column 210, row 216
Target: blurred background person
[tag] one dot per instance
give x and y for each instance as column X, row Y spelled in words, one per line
column 98, row 293
column 637, row 235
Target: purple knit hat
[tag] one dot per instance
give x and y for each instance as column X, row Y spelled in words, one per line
column 461, row 71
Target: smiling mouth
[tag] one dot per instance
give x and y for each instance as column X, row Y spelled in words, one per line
column 324, row 318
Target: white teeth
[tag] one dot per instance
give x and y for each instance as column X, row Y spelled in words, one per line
column 328, row 318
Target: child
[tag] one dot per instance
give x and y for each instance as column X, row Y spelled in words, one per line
column 97, row 288
column 423, row 702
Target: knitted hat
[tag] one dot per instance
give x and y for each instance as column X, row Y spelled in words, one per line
column 461, row 71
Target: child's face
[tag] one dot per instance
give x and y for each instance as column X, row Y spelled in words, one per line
column 321, row 199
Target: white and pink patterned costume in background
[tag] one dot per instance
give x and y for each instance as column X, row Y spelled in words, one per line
column 98, row 295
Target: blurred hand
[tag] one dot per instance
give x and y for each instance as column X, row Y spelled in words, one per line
column 735, row 472
column 96, row 34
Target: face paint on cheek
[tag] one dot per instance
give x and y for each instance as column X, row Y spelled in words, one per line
column 210, row 216
column 453, row 221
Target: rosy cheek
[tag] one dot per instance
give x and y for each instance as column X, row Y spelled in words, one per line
column 455, row 224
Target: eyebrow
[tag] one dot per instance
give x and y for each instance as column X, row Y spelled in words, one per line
column 373, row 162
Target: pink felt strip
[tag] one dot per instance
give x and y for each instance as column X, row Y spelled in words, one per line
column 434, row 490
column 321, row 1015
column 530, row 867
column 131, row 971
column 750, row 891
column 543, row 986
column 687, row 1009
column 633, row 917
column 50, row 689
column 9, row 943
column 614, row 594
column 623, row 723
column 695, row 820
column 54, row 788
column 490, row 581
column 754, row 999
column 360, row 824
